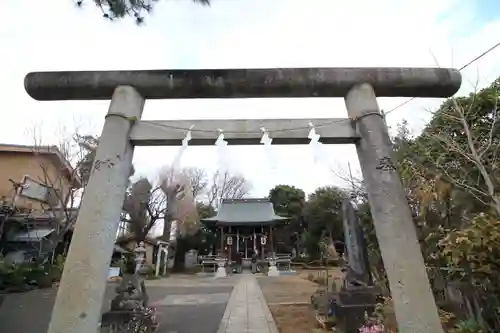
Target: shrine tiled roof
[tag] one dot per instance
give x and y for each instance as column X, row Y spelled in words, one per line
column 245, row 212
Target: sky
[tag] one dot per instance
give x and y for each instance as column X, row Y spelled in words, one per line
column 56, row 35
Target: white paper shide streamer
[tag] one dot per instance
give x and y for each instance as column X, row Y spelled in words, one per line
column 266, row 140
column 315, row 144
column 177, row 159
column 222, row 151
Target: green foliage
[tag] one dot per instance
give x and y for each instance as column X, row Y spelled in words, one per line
column 204, row 210
column 479, row 111
column 17, row 276
column 289, row 201
column 310, row 242
column 460, row 147
column 323, row 212
column 118, row 9
column 450, row 174
column 473, row 253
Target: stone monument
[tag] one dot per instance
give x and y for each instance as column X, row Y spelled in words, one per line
column 357, row 266
column 357, row 296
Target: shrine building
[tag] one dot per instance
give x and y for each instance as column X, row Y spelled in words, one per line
column 245, row 226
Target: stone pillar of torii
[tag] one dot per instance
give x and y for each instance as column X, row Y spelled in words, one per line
column 79, row 300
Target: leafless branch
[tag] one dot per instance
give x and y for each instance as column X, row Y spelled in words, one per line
column 197, row 178
column 58, row 174
column 473, row 151
column 224, row 185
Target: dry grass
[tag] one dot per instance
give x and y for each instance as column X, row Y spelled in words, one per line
column 289, row 299
column 295, row 318
column 287, row 289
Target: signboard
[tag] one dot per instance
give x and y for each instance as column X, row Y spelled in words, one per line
column 34, row 190
column 263, row 240
column 229, row 240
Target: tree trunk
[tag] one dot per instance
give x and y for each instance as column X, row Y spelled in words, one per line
column 180, row 255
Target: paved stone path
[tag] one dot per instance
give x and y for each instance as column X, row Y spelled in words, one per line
column 192, row 309
column 185, row 305
column 247, row 310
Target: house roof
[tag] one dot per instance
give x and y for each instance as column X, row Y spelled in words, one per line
column 47, row 217
column 119, row 249
column 34, row 235
column 245, row 212
column 56, row 156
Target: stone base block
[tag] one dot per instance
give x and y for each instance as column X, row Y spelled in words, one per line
column 352, row 306
column 273, row 271
column 221, row 272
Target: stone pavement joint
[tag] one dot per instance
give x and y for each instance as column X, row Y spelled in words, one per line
column 247, row 310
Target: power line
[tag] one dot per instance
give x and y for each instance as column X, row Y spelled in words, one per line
column 336, row 121
column 323, row 124
column 460, row 69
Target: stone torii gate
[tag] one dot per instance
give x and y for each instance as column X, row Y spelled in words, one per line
column 78, row 305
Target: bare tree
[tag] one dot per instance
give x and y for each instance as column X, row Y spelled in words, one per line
column 143, row 207
column 63, row 174
column 224, row 185
column 475, row 146
column 180, row 191
column 354, row 184
column 196, row 177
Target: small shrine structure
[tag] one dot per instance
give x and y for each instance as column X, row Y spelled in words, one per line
column 245, row 226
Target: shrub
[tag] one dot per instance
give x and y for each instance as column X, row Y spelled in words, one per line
column 473, row 251
column 467, row 326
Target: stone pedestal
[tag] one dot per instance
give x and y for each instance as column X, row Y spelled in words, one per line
column 221, row 270
column 273, row 270
column 351, row 307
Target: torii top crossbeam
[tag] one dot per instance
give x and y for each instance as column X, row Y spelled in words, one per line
column 243, row 83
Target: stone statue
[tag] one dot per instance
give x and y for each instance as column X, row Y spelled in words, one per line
column 140, row 256
column 131, row 293
column 129, row 309
column 358, row 268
